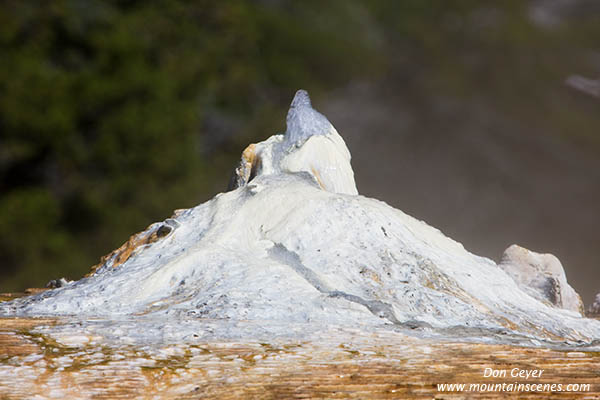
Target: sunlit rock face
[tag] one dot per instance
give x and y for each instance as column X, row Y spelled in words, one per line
column 310, row 144
column 542, row 276
column 293, row 247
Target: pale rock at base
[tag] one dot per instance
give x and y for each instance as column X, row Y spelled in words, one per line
column 542, row 276
column 594, row 309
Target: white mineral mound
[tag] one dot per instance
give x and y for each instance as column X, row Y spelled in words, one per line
column 294, row 243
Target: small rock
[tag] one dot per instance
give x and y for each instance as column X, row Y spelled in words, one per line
column 594, row 309
column 164, row 230
column 542, row 276
column 57, row 283
column 585, row 85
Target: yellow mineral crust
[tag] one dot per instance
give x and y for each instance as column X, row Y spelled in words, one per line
column 123, row 253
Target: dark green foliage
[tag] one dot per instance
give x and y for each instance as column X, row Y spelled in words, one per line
column 114, row 113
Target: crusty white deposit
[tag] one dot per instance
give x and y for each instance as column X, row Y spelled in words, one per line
column 293, row 250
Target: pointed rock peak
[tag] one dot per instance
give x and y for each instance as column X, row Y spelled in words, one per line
column 310, row 145
column 303, row 121
column 301, row 98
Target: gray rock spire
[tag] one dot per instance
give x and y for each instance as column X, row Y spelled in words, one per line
column 303, row 121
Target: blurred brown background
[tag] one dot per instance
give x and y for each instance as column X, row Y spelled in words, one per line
column 479, row 117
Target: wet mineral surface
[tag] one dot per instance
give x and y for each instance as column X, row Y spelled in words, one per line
column 342, row 364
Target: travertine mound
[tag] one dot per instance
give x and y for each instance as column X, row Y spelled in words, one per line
column 294, row 248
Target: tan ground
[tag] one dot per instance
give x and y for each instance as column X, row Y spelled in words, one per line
column 368, row 366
